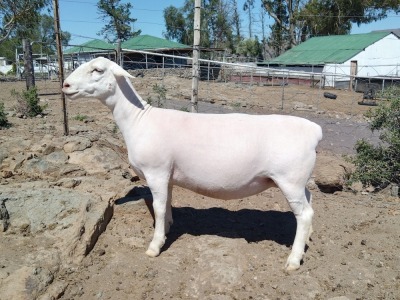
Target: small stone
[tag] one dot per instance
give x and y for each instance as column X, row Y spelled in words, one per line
column 7, row 174
column 363, row 242
column 101, row 252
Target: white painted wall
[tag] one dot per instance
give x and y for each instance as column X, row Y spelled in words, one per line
column 380, row 59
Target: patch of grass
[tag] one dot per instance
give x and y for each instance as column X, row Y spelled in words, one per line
column 80, row 117
column 236, row 104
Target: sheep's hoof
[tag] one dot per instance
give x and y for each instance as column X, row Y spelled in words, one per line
column 292, row 264
column 152, row 253
column 290, row 268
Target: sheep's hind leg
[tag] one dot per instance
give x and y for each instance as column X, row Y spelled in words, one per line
column 168, row 217
column 160, row 191
column 299, row 201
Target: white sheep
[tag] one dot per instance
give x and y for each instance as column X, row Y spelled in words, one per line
column 225, row 156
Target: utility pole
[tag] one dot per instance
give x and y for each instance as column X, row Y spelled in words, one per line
column 60, row 63
column 196, row 55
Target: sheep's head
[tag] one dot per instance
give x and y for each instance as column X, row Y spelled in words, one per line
column 97, row 78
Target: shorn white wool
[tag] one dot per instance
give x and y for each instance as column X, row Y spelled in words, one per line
column 225, row 156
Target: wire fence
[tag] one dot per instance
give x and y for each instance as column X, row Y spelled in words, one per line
column 164, row 80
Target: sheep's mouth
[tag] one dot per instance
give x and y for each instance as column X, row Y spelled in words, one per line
column 70, row 94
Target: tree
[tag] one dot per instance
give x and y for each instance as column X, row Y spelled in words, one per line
column 45, row 36
column 118, row 17
column 19, row 15
column 41, row 34
column 279, row 39
column 379, row 165
column 236, row 21
column 250, row 48
column 336, row 16
column 177, row 27
column 296, row 20
column 249, row 5
column 216, row 23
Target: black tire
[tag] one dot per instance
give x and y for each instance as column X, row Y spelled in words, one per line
column 330, row 95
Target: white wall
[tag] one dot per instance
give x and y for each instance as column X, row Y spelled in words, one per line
column 380, row 59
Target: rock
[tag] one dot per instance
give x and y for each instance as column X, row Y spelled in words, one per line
column 7, row 174
column 330, row 172
column 4, row 216
column 357, row 186
column 60, row 227
column 13, row 163
column 96, row 160
column 77, row 144
column 69, row 182
column 48, row 166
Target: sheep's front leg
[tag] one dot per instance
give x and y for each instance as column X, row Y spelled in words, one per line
column 160, row 190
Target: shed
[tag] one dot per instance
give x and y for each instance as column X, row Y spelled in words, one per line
column 148, row 43
column 344, row 60
column 78, row 54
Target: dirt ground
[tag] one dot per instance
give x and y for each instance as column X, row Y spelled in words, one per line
column 235, row 249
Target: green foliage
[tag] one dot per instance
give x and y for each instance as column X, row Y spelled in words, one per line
column 19, row 17
column 119, row 20
column 3, row 117
column 41, row 31
column 379, row 165
column 80, row 117
column 161, row 93
column 216, row 28
column 295, row 21
column 250, row 47
column 28, row 102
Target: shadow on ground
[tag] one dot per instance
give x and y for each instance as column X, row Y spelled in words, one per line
column 250, row 224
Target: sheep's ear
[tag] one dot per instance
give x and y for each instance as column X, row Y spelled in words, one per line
column 119, row 72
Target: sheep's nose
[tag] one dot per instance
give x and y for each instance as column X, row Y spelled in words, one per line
column 66, row 84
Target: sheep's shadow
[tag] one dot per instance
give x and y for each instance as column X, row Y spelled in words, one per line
column 250, row 224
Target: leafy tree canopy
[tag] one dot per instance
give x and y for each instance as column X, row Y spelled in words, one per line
column 41, row 34
column 296, row 20
column 18, row 16
column 118, row 17
column 216, row 26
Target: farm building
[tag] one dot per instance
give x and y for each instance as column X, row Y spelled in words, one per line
column 76, row 55
column 148, row 43
column 347, row 61
column 130, row 58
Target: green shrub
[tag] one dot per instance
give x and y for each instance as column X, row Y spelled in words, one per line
column 379, row 165
column 80, row 117
column 28, row 102
column 161, row 93
column 3, row 117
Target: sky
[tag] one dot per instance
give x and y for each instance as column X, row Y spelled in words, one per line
column 81, row 19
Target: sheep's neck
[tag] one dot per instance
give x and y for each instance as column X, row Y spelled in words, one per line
column 129, row 107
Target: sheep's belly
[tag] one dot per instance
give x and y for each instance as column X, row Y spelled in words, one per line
column 223, row 189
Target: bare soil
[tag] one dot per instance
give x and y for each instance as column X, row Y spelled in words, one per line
column 233, row 249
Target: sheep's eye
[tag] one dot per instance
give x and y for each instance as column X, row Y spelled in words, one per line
column 98, row 71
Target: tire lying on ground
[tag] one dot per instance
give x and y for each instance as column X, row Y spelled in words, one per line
column 330, row 95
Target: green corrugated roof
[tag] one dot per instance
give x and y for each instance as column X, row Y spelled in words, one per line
column 148, row 42
column 91, row 46
column 328, row 49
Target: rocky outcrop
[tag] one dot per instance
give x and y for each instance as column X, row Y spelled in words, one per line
column 330, row 173
column 56, row 198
